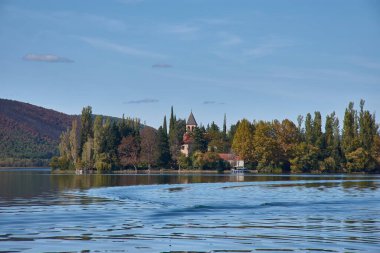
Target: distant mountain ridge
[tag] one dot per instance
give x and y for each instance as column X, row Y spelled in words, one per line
column 29, row 134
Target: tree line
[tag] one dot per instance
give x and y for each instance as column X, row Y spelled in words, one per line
column 305, row 148
column 103, row 143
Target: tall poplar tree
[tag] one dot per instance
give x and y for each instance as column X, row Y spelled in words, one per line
column 75, row 142
column 242, row 143
column 349, row 135
column 86, row 127
column 317, row 130
column 367, row 128
column 309, row 132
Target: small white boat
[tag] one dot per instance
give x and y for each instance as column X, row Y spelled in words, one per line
column 241, row 170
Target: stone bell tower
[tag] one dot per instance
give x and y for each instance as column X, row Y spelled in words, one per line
column 191, row 123
column 187, row 137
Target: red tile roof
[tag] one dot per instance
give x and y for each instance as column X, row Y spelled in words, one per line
column 229, row 157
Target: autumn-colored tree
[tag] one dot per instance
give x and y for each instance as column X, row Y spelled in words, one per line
column 267, row 149
column 75, row 143
column 149, row 146
column 87, row 161
column 129, row 151
column 242, row 143
column 288, row 137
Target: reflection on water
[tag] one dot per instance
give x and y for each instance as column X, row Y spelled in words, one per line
column 47, row 212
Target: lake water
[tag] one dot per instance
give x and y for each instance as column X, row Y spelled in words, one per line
column 44, row 212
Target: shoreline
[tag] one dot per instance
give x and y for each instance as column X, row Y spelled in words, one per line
column 173, row 171
column 22, row 168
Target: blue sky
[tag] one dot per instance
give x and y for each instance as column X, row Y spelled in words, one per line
column 248, row 59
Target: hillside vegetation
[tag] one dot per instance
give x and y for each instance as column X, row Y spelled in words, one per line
column 29, row 134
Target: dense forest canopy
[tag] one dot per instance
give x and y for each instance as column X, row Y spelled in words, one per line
column 29, row 134
column 267, row 146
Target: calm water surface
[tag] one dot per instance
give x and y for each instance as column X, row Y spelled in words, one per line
column 44, row 212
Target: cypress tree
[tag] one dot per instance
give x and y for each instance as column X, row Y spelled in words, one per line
column 174, row 140
column 317, row 130
column 309, row 133
column 225, row 126
column 163, row 148
column 165, row 126
column 171, row 121
column 329, row 133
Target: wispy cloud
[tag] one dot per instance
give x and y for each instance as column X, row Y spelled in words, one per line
column 228, row 39
column 324, row 75
column 364, row 62
column 182, row 29
column 214, row 21
column 161, row 65
column 46, row 58
column 131, row 51
column 212, row 102
column 268, row 47
column 61, row 18
column 129, row 1
column 143, row 101
column 106, row 22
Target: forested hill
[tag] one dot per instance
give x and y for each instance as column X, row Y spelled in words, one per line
column 29, row 134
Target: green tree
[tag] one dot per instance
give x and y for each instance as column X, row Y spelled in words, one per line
column 225, row 126
column 126, row 127
column 199, row 140
column 267, row 149
column 349, row 135
column 64, row 145
column 306, row 159
column 75, row 143
column 215, row 138
column 87, row 161
column 317, row 130
column 165, row 126
column 288, row 137
column 367, row 128
column 242, row 143
column 332, row 142
column 360, row 161
column 174, row 138
column 86, row 127
column 98, row 136
column 163, row 158
column 184, row 162
column 208, row 161
column 309, row 132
